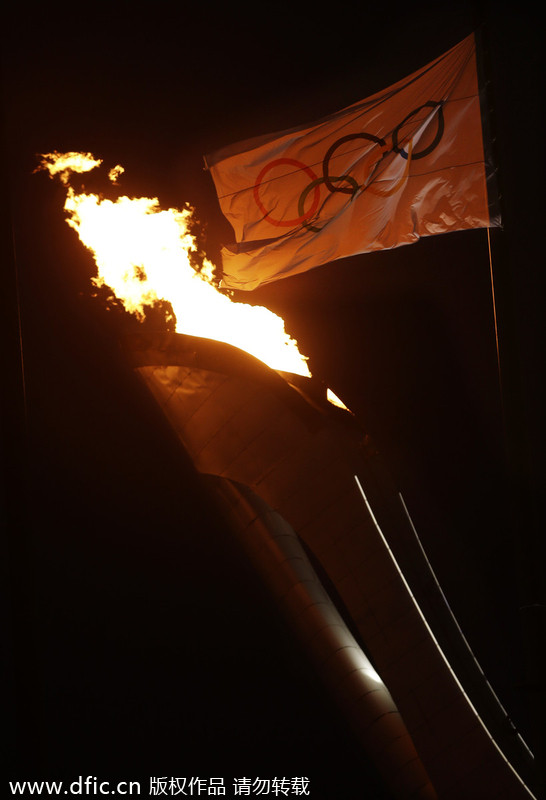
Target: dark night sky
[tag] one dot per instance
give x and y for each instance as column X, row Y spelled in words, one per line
column 138, row 643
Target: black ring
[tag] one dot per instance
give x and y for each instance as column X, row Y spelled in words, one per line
column 436, row 140
column 331, row 150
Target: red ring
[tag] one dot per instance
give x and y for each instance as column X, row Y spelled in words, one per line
column 286, row 223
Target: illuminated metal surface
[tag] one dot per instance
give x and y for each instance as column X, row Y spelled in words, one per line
column 278, row 436
column 283, row 565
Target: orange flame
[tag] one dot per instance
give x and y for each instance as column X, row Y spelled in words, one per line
column 63, row 164
column 142, row 252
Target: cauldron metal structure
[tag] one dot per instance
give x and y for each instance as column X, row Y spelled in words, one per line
column 308, row 497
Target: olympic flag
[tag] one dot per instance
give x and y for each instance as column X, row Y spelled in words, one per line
column 406, row 163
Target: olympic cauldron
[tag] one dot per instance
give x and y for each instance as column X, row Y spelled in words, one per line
column 306, row 494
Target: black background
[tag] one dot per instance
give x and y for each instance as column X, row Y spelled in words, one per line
column 140, row 642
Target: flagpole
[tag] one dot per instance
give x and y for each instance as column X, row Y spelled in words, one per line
column 531, row 612
column 496, row 327
column 524, row 532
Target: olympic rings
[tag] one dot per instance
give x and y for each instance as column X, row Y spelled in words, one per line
column 352, row 186
column 286, row 223
column 432, row 145
column 313, row 185
column 331, row 150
